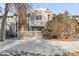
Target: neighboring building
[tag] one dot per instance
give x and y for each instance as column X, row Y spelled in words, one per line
column 39, row 18
column 11, row 25
column 76, row 16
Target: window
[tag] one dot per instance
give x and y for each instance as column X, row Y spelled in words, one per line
column 38, row 17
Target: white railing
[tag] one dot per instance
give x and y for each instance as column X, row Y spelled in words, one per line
column 38, row 23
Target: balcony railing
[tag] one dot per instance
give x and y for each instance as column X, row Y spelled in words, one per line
column 38, row 23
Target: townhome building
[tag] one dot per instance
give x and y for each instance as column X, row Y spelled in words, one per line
column 39, row 18
column 36, row 21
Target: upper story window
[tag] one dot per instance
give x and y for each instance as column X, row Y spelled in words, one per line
column 38, row 17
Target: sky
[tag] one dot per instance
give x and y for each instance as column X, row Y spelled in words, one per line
column 56, row 8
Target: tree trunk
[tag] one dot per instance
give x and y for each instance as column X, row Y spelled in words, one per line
column 22, row 16
column 4, row 22
column 22, row 20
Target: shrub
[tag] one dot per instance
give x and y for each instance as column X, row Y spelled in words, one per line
column 62, row 26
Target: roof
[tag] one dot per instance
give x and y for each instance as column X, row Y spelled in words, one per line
column 42, row 9
column 75, row 15
column 7, row 16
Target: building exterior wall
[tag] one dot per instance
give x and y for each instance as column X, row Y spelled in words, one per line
column 10, row 24
column 43, row 15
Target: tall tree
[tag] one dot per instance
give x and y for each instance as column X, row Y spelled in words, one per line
column 22, row 10
column 2, row 34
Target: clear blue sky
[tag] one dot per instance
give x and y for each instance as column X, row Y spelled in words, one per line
column 56, row 8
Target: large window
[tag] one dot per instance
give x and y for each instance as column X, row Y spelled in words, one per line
column 38, row 17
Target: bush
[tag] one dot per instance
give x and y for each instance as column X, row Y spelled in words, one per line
column 62, row 26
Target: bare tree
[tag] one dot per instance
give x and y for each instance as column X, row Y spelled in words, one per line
column 21, row 16
column 22, row 9
column 2, row 34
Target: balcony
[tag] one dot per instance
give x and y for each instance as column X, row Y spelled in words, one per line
column 38, row 23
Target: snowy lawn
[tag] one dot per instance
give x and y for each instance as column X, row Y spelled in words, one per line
column 40, row 46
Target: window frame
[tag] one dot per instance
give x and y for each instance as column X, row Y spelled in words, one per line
column 38, row 15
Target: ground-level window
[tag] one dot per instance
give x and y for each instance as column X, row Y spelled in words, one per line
column 37, row 28
column 38, row 17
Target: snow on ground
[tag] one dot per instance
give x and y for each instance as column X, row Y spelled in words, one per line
column 41, row 46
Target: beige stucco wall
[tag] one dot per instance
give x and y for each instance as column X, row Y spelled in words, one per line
column 46, row 16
